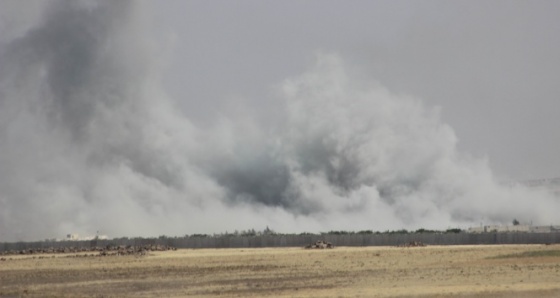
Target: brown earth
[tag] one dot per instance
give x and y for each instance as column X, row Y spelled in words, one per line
column 432, row 271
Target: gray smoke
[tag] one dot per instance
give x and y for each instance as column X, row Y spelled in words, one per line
column 90, row 141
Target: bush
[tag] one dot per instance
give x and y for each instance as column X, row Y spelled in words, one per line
column 199, row 236
column 422, row 231
column 455, row 231
column 365, row 232
column 338, row 233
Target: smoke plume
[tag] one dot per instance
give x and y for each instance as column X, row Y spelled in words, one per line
column 89, row 141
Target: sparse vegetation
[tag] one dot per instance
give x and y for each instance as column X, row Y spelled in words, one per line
column 337, row 233
column 455, row 231
column 199, row 236
column 365, row 232
column 457, row 271
column 530, row 254
column 424, row 231
column 268, row 231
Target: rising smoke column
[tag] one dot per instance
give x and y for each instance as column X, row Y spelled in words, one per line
column 90, row 141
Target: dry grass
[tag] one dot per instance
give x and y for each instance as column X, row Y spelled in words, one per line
column 531, row 254
column 433, row 271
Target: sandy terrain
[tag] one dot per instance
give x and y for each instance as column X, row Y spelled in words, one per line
column 433, row 271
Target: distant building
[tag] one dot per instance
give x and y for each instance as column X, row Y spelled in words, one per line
column 545, row 229
column 513, row 229
column 76, row 237
column 72, row 237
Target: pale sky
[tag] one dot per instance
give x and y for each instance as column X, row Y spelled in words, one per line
column 492, row 66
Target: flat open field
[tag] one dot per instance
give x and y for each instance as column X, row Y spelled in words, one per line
column 432, row 271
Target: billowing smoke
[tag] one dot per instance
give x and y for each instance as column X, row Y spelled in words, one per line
column 89, row 141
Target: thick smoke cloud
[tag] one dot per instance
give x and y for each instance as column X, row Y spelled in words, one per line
column 90, row 141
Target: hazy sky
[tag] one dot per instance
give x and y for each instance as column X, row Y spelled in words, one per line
column 177, row 117
column 492, row 66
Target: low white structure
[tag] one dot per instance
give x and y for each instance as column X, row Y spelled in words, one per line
column 545, row 229
column 514, row 229
column 76, row 237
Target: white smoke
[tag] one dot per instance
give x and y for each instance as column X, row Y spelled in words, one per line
column 90, row 141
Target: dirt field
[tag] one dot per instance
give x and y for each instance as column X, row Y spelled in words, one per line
column 432, row 271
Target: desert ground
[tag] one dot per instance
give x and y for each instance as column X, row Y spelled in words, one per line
column 431, row 271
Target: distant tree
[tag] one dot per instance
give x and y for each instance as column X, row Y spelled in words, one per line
column 425, row 231
column 455, row 231
column 200, row 235
column 515, row 222
column 249, row 232
column 365, row 232
column 268, row 231
column 338, row 233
